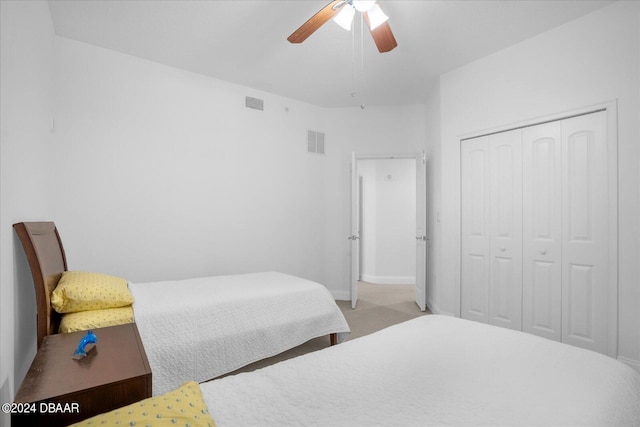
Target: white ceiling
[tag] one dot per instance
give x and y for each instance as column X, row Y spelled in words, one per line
column 244, row 42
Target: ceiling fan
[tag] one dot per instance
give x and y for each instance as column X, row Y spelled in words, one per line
column 343, row 11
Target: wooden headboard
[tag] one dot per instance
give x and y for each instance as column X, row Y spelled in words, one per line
column 47, row 260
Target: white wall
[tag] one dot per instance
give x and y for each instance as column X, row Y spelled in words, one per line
column 25, row 164
column 180, row 176
column 388, row 221
column 588, row 61
column 167, row 174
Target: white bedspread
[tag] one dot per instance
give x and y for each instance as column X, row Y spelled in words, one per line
column 434, row 370
column 198, row 329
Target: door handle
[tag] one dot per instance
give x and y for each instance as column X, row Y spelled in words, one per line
column 423, row 238
column 354, row 237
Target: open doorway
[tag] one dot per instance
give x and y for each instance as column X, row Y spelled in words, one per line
column 387, row 216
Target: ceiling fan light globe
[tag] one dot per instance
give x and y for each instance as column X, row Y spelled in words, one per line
column 345, row 17
column 376, row 17
column 363, row 5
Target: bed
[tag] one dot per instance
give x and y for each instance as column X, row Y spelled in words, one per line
column 432, row 370
column 436, row 370
column 200, row 328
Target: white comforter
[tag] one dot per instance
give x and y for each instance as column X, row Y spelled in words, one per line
column 198, row 329
column 434, row 370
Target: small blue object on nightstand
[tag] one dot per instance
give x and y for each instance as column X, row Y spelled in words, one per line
column 86, row 344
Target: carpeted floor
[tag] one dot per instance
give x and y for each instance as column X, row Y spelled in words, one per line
column 379, row 306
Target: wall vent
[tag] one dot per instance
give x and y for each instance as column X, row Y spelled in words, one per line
column 315, row 142
column 319, row 143
column 255, row 103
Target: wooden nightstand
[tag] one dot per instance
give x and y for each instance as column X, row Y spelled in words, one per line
column 114, row 374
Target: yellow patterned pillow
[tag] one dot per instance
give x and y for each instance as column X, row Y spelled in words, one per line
column 93, row 319
column 183, row 406
column 82, row 291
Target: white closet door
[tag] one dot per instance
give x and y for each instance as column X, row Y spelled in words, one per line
column 505, row 213
column 474, row 274
column 585, row 232
column 542, row 236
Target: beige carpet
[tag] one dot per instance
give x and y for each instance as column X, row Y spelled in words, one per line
column 379, row 306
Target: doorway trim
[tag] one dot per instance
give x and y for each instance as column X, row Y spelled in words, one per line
column 355, row 158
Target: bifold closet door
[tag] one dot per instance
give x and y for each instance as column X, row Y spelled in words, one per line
column 535, row 232
column 475, row 244
column 565, row 231
column 542, row 232
column 505, row 229
column 585, row 223
column 491, row 229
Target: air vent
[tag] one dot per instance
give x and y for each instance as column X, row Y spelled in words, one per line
column 311, row 141
column 255, row 103
column 319, row 143
column 315, row 142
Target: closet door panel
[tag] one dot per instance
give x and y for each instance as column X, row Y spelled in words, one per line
column 585, row 230
column 505, row 213
column 474, row 275
column 542, row 235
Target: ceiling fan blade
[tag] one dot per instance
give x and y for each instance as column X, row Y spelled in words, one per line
column 382, row 36
column 315, row 22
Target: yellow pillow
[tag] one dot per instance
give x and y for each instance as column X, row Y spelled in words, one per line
column 180, row 407
column 93, row 319
column 82, row 291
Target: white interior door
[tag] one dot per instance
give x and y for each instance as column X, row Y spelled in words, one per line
column 354, row 238
column 585, row 229
column 475, row 242
column 505, row 219
column 421, row 231
column 542, row 232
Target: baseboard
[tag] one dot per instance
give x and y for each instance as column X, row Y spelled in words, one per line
column 340, row 295
column 433, row 308
column 389, row 280
column 633, row 363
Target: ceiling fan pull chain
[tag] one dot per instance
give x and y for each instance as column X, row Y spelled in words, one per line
column 362, row 44
column 353, row 64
